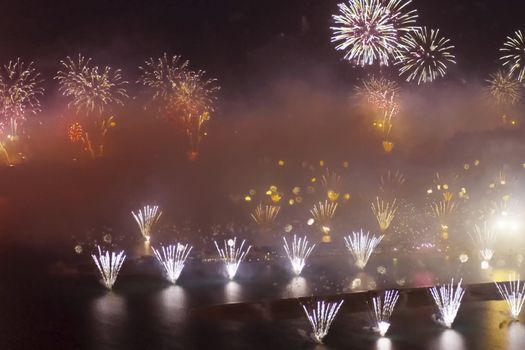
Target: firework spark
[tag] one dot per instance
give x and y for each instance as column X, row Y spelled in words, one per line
column 331, row 182
column 391, row 181
column 173, row 258
column 321, row 317
column 513, row 54
column 423, row 55
column 323, row 214
column 383, row 307
column 91, row 90
column 20, row 91
column 384, row 213
column 146, row 218
column 377, row 91
column 265, row 216
column 361, row 246
column 365, row 29
column 232, row 256
column 503, row 88
column 448, row 300
column 514, row 294
column 109, row 265
column 484, row 238
column 299, row 251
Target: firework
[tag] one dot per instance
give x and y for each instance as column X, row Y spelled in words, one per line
column 265, row 216
column 232, row 256
column 384, row 213
column 321, row 317
column 365, row 29
column 298, row 253
column 172, row 259
column 391, row 181
column 484, row 238
column 331, row 183
column 91, row 90
column 361, row 246
column 423, row 55
column 448, row 300
column 76, row 132
column 323, row 214
column 146, row 218
column 503, row 88
column 382, row 310
column 403, row 21
column 514, row 294
column 186, row 97
column 109, row 265
column 513, row 54
column 20, row 91
column 377, row 91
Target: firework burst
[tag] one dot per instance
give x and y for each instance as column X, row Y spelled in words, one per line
column 423, row 55
column 299, row 251
column 383, row 307
column 503, row 88
column 321, row 317
column 331, row 182
column 384, row 213
column 377, row 91
column 108, row 265
column 173, row 258
column 361, row 246
column 146, row 218
column 448, row 300
column 484, row 238
column 513, row 54
column 265, row 216
column 323, row 214
column 514, row 294
column 232, row 256
column 91, row 90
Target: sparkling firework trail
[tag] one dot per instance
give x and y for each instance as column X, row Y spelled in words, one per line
column 484, row 238
column 90, row 90
column 20, row 90
column 365, row 29
column 265, row 216
column 109, row 265
column 173, row 258
column 503, row 88
column 298, row 253
column 423, row 55
column 361, row 246
column 321, row 317
column 384, row 213
column 323, row 214
column 514, row 294
column 448, row 300
column 403, row 21
column 146, row 218
column 513, row 54
column 383, row 307
column 331, row 183
column 232, row 256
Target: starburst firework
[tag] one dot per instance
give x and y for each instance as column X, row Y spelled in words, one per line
column 423, row 55
column 299, row 251
column 448, row 300
column 513, row 54
column 361, row 246
column 514, row 294
column 503, row 88
column 321, row 317
column 383, row 307
column 232, row 256
column 108, row 265
column 173, row 258
column 146, row 218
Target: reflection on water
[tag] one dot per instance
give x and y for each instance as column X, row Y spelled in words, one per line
column 450, row 340
column 109, row 314
column 362, row 282
column 516, row 336
column 232, row 292
column 172, row 302
column 297, row 287
column 383, row 344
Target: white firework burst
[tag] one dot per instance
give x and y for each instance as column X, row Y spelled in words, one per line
column 513, row 292
column 146, row 218
column 513, row 54
column 108, row 264
column 232, row 256
column 299, row 251
column 361, row 246
column 448, row 300
column 383, row 307
column 173, row 258
column 484, row 238
column 321, row 317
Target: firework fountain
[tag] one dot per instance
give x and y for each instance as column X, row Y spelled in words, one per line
column 232, row 256
column 484, row 238
column 109, row 265
column 448, row 300
column 514, row 294
column 146, row 218
column 299, row 251
column 384, row 213
column 383, row 307
column 361, row 246
column 173, row 258
column 321, row 317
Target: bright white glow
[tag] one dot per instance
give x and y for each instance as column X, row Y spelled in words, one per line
column 451, row 340
column 448, row 300
column 172, row 259
column 109, row 265
column 484, row 239
column 513, row 292
column 485, row 265
column 296, row 288
column 382, row 310
column 383, row 344
column 146, row 218
column 232, row 256
column 361, row 247
column 321, row 317
column 298, row 253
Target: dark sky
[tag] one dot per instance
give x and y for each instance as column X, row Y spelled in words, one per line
column 243, row 43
